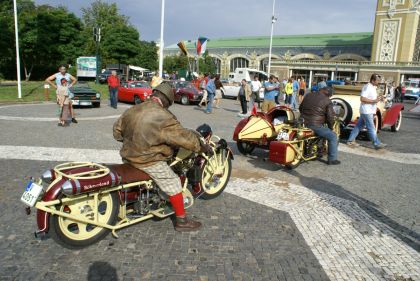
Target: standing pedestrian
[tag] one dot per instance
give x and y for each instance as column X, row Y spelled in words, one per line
column 243, row 96
column 289, row 92
column 63, row 102
column 302, row 89
column 368, row 101
column 269, row 95
column 276, row 98
column 219, row 87
column 255, row 95
column 113, row 84
column 397, row 96
column 295, row 92
column 57, row 81
column 322, row 84
column 211, row 92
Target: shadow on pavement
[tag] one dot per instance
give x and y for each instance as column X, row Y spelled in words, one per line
column 320, row 186
column 100, row 270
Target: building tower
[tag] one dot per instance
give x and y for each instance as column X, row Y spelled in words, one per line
column 397, row 31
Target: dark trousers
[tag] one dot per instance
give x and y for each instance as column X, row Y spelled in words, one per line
column 113, row 96
column 244, row 106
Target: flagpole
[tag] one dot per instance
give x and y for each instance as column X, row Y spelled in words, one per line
column 17, row 51
column 273, row 20
column 161, row 45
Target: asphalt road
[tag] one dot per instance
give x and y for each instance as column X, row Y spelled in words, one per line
column 355, row 221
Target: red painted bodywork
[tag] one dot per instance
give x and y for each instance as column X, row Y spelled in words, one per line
column 128, row 93
column 391, row 115
column 238, row 128
column 277, row 152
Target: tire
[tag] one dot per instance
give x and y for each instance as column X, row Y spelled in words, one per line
column 137, row 100
column 396, row 127
column 185, row 100
column 67, row 232
column 296, row 162
column 345, row 112
column 223, row 93
column 214, row 188
column 97, row 104
column 245, row 147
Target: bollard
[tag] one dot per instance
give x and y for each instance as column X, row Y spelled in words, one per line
column 46, row 92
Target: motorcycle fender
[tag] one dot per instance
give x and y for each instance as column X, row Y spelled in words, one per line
column 239, row 128
column 281, row 152
column 42, row 217
column 391, row 115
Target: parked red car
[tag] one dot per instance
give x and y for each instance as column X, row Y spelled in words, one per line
column 134, row 91
column 185, row 92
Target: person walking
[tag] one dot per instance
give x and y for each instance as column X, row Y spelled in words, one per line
column 369, row 99
column 269, row 95
column 302, row 89
column 202, row 87
column 322, row 84
column 289, row 92
column 113, row 84
column 255, row 95
column 397, row 96
column 62, row 73
column 243, row 96
column 218, row 96
column 276, row 98
column 211, row 92
column 295, row 92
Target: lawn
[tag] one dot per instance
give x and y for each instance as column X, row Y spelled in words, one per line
column 33, row 91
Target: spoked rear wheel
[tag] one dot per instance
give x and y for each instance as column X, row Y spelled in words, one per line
column 74, row 234
column 245, row 147
column 215, row 176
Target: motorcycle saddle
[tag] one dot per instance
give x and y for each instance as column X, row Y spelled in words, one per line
column 129, row 173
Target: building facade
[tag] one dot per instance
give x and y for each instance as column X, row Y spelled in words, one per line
column 393, row 49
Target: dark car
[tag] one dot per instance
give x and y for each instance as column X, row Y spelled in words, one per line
column 103, row 77
column 185, row 92
column 84, row 95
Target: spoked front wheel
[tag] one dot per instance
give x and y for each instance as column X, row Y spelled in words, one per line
column 215, row 175
column 74, row 234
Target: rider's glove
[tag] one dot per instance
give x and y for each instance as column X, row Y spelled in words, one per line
column 207, row 149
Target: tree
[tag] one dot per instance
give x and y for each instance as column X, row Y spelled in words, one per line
column 147, row 56
column 207, row 64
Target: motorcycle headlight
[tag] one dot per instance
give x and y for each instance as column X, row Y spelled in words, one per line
column 47, row 176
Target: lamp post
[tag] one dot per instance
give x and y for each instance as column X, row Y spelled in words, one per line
column 17, row 50
column 273, row 20
column 161, row 45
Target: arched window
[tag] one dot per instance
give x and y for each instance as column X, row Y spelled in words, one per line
column 264, row 65
column 238, row 62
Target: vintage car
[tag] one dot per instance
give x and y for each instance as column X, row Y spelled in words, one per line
column 185, row 92
column 231, row 90
column 134, row 91
column 83, row 95
column 260, row 129
column 346, row 101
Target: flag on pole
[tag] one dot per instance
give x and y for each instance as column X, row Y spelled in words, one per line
column 201, row 45
column 184, row 50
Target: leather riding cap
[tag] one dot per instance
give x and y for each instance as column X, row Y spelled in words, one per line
column 166, row 89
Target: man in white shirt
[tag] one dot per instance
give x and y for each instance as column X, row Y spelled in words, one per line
column 255, row 95
column 368, row 100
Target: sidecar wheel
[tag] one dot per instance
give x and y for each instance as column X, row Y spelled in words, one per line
column 213, row 185
column 75, row 235
column 245, row 147
column 294, row 164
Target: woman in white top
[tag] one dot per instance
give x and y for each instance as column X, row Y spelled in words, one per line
column 255, row 95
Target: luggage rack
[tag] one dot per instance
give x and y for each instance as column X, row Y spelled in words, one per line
column 97, row 171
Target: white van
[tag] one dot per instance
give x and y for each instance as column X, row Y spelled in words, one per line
column 231, row 89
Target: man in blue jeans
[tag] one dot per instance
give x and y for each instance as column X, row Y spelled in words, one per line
column 295, row 92
column 368, row 100
column 316, row 110
column 211, row 91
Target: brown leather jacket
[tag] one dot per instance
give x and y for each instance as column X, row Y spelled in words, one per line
column 149, row 132
column 316, row 110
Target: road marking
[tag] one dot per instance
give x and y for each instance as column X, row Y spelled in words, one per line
column 405, row 158
column 348, row 243
column 112, row 156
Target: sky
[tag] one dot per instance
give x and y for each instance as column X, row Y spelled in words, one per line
column 188, row 19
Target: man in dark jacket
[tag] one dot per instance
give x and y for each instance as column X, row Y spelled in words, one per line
column 316, row 110
column 149, row 131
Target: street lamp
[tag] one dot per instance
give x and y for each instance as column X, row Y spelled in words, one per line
column 273, row 20
column 161, row 45
column 17, row 50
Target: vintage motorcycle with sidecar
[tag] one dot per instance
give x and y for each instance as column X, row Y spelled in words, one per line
column 296, row 143
column 79, row 203
column 260, row 129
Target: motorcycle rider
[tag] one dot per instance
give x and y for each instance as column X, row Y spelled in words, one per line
column 149, row 131
column 316, row 110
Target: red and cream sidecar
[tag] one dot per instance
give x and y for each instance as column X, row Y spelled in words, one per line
column 260, row 129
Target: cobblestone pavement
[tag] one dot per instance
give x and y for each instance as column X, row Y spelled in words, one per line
column 355, row 221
